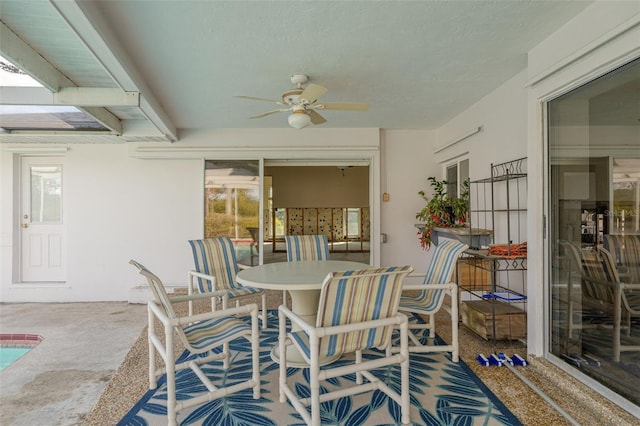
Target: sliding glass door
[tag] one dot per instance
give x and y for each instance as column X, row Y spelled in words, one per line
column 232, row 205
column 594, row 230
column 296, row 198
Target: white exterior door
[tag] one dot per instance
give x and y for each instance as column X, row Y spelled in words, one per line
column 41, row 225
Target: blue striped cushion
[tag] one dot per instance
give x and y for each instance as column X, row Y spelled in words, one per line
column 217, row 257
column 349, row 297
column 205, row 334
column 307, row 247
column 440, row 271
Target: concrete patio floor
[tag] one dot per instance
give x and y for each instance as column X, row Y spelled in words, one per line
column 61, row 379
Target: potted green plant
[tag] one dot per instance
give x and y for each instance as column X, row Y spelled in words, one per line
column 441, row 211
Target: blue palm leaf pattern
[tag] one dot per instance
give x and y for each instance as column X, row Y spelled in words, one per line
column 377, row 399
column 442, row 393
column 139, row 421
column 359, row 416
column 236, row 409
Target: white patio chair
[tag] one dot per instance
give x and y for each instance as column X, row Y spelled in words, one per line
column 200, row 334
column 603, row 290
column 430, row 297
column 216, row 268
column 357, row 311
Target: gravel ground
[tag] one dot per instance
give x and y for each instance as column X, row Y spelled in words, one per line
column 586, row 407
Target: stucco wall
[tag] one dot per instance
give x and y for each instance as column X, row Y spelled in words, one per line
column 408, row 161
column 144, row 201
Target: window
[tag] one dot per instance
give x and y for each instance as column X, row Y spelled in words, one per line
column 352, row 223
column 456, row 174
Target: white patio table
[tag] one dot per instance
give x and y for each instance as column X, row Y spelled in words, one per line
column 303, row 280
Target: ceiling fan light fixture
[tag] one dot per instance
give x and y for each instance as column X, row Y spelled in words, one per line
column 299, row 119
column 302, row 102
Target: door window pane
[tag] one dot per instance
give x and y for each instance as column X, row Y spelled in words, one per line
column 46, row 194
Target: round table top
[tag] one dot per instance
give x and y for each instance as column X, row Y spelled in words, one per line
column 303, row 275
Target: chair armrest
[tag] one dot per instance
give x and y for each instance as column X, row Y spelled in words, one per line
column 448, row 286
column 193, row 274
column 191, row 286
column 238, row 310
column 197, row 296
column 606, row 283
column 295, row 319
column 629, row 286
column 179, row 321
column 397, row 319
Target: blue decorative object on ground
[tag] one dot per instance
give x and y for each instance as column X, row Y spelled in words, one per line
column 482, row 360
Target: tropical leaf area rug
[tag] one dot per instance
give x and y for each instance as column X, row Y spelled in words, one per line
column 442, row 393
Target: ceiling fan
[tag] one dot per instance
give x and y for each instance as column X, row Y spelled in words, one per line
column 303, row 103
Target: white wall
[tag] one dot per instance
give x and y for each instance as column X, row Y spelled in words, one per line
column 502, row 115
column 408, row 162
column 115, row 208
column 144, row 201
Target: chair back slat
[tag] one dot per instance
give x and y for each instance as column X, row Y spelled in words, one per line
column 440, row 271
column 609, row 265
column 157, row 288
column 443, row 263
column 625, row 250
column 217, row 257
column 307, row 247
column 358, row 296
column 598, row 268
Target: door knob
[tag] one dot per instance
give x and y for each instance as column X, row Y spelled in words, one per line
column 25, row 225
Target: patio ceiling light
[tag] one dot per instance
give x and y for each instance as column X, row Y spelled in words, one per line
column 299, row 119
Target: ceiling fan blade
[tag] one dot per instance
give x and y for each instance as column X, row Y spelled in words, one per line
column 259, row 99
column 315, row 117
column 346, row 106
column 313, row 92
column 264, row 114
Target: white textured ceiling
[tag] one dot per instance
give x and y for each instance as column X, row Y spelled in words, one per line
column 417, row 63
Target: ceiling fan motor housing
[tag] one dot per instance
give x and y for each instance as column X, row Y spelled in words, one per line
column 290, row 97
column 299, row 79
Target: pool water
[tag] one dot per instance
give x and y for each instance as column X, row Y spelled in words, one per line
column 9, row 355
column 15, row 345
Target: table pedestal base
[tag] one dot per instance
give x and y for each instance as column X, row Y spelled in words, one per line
column 305, row 304
column 294, row 359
